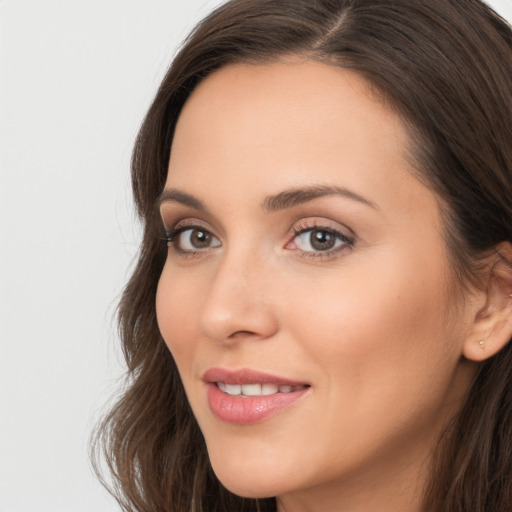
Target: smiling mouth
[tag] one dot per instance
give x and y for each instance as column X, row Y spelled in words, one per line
column 248, row 390
column 245, row 396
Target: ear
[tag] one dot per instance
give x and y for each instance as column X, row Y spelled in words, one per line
column 492, row 325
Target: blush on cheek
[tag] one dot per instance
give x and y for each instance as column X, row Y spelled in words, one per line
column 167, row 314
column 175, row 316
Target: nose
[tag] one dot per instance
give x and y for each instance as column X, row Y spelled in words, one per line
column 239, row 303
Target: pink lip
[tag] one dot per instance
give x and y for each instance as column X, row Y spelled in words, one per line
column 247, row 376
column 243, row 410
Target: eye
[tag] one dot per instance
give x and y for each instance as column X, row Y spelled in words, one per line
column 192, row 239
column 319, row 240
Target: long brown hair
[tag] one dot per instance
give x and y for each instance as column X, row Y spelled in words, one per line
column 445, row 66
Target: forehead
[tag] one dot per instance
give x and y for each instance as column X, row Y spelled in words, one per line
column 284, row 125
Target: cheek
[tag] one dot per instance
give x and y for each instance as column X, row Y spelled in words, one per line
column 378, row 330
column 381, row 353
column 175, row 299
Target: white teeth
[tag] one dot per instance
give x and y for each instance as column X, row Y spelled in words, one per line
column 233, row 389
column 269, row 389
column 251, row 389
column 256, row 389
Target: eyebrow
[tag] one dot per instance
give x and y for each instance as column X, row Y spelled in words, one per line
column 177, row 196
column 298, row 196
column 281, row 201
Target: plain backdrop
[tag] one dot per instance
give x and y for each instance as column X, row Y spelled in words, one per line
column 76, row 77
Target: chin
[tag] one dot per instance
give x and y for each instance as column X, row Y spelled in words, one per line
column 249, row 487
column 248, row 478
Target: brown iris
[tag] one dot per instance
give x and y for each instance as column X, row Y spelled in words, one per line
column 200, row 239
column 322, row 240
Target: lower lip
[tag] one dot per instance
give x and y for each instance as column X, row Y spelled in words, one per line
column 244, row 410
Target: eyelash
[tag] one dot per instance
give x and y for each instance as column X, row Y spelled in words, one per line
column 347, row 242
column 300, row 229
column 172, row 237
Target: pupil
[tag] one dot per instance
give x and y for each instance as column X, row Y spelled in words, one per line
column 200, row 239
column 322, row 240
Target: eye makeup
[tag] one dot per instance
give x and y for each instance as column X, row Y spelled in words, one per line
column 314, row 239
column 191, row 239
column 309, row 238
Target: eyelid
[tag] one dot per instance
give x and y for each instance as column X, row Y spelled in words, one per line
column 173, row 235
column 175, row 225
column 321, row 223
column 343, row 233
column 171, row 212
column 178, row 240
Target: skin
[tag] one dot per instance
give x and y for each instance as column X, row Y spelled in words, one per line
column 371, row 327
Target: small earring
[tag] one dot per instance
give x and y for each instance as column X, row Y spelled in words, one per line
column 482, row 344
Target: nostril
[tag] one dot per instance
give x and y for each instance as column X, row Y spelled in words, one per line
column 242, row 333
column 229, row 314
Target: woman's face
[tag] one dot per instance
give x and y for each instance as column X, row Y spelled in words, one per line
column 307, row 297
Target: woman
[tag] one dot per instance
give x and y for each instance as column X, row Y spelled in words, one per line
column 321, row 313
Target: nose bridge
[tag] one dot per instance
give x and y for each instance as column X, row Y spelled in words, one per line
column 239, row 300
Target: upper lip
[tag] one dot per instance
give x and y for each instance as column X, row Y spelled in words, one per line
column 247, row 376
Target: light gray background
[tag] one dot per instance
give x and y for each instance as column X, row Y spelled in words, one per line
column 76, row 77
